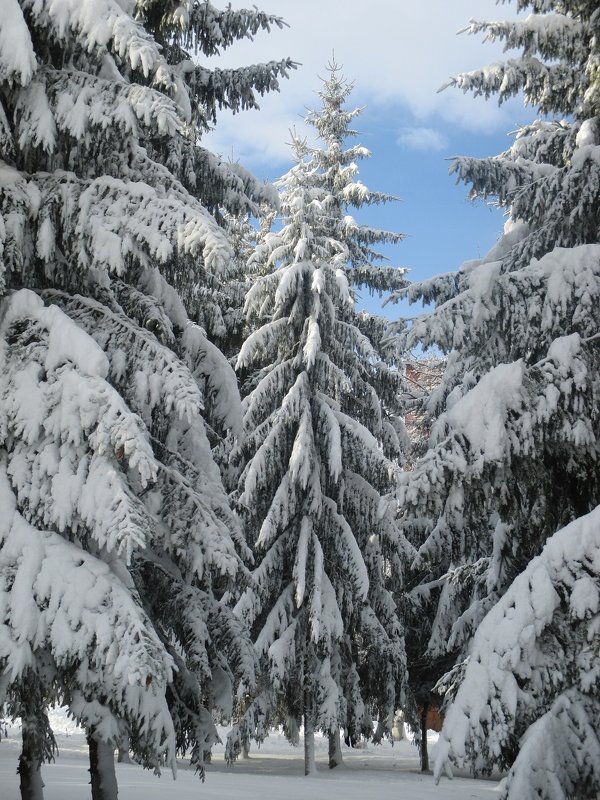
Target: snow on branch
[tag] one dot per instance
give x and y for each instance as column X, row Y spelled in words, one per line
column 262, row 343
column 550, row 87
column 209, row 365
column 99, row 24
column 148, row 373
column 17, row 58
column 553, row 36
column 551, row 608
column 54, row 595
column 117, row 218
column 56, row 398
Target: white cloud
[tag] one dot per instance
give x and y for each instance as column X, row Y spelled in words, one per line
column 398, row 53
column 421, row 139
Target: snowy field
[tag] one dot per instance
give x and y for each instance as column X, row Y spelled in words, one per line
column 276, row 770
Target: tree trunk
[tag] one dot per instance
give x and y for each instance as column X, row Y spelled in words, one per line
column 123, row 752
column 245, row 749
column 30, row 767
column 398, row 731
column 424, row 753
column 335, row 749
column 310, row 766
column 102, row 769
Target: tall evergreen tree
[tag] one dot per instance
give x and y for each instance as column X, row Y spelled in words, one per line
column 513, row 456
column 318, row 456
column 117, row 543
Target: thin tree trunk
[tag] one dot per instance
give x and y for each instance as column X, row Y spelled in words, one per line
column 123, row 752
column 310, row 766
column 245, row 749
column 102, row 769
column 335, row 749
column 398, row 731
column 30, row 767
column 424, row 753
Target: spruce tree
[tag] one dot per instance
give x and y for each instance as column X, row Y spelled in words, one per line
column 117, row 543
column 318, row 457
column 504, row 504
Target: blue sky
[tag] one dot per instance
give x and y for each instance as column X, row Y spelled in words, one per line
column 397, row 54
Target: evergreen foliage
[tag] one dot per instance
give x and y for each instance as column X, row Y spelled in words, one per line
column 117, row 542
column 319, row 454
column 514, row 451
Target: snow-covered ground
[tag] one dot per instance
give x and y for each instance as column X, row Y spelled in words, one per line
column 276, row 770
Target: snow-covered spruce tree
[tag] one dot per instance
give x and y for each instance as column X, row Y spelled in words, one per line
column 116, row 540
column 513, row 458
column 321, row 423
